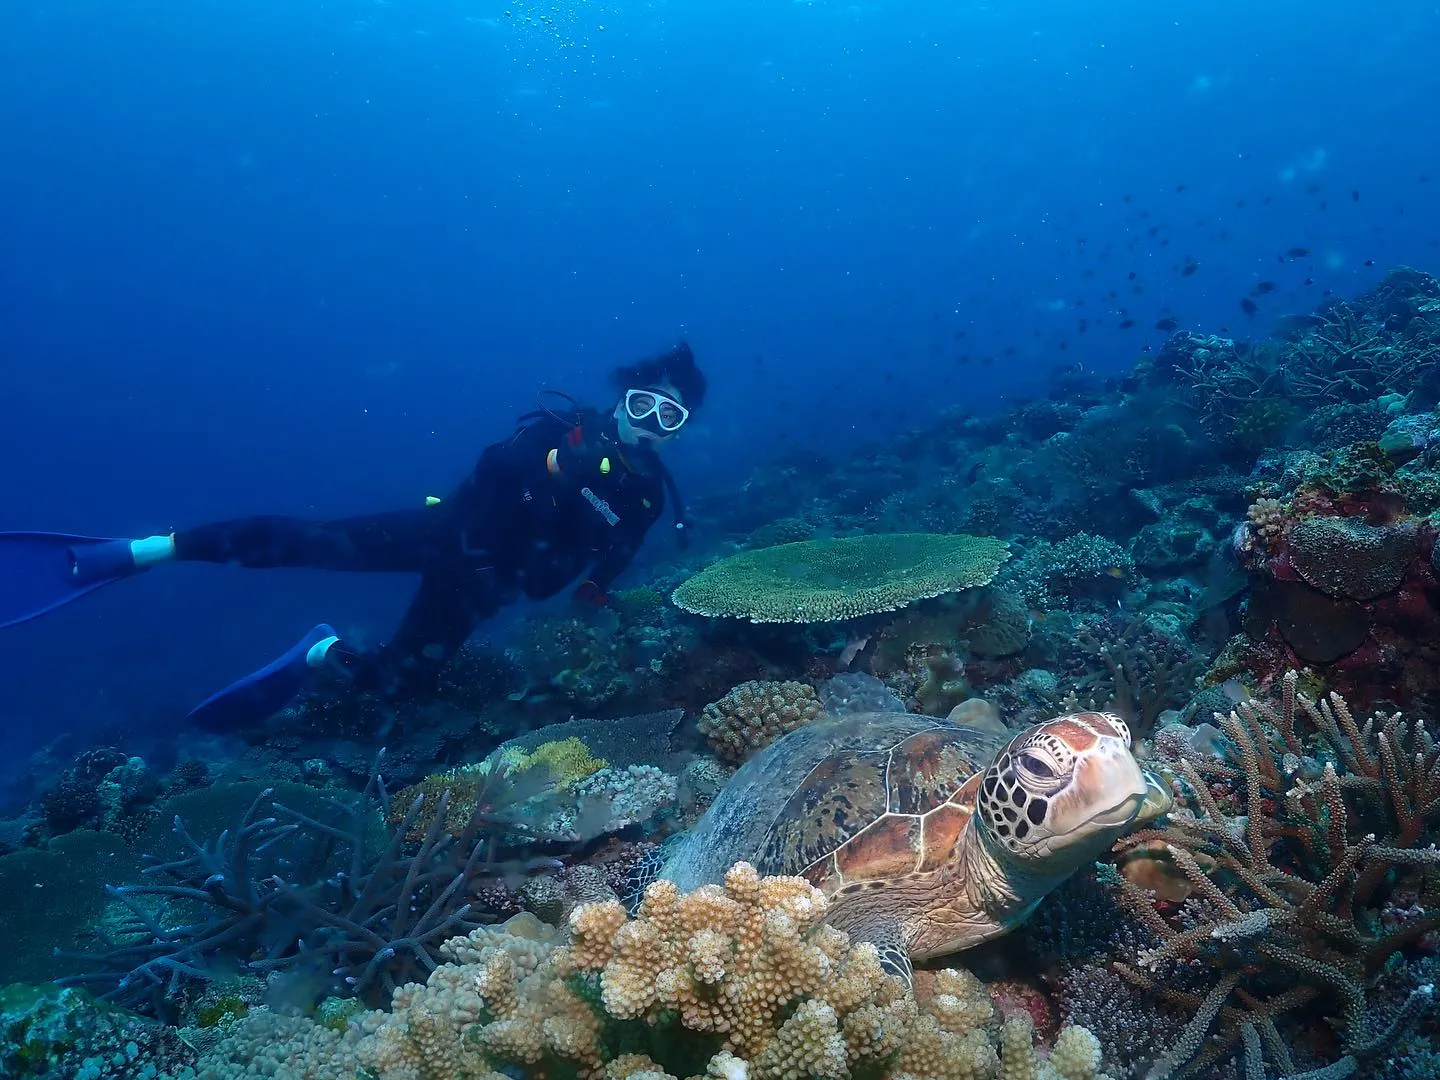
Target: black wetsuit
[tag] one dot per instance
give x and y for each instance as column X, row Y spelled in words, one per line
column 513, row 528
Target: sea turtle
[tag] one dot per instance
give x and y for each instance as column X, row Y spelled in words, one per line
column 927, row 837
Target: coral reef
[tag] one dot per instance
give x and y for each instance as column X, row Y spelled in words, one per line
column 740, row 980
column 1309, row 859
column 1237, row 508
column 52, row 1032
column 753, row 715
column 354, row 921
column 837, row 579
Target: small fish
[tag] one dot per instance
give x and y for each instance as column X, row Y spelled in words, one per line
column 1248, row 306
column 1297, row 253
column 1369, row 262
column 1235, row 691
column 1262, row 287
column 1190, row 267
column 1126, row 324
column 974, row 473
column 1308, row 281
column 1167, row 324
column 1354, row 195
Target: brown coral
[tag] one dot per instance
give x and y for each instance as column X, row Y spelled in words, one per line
column 726, row 960
column 747, row 974
column 754, row 714
column 1289, row 857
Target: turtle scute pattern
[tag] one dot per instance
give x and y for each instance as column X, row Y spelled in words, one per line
column 879, row 813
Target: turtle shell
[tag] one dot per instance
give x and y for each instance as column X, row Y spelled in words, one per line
column 868, row 796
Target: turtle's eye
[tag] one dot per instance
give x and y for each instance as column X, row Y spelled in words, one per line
column 1038, row 768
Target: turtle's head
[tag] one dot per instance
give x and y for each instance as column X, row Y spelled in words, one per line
column 1061, row 792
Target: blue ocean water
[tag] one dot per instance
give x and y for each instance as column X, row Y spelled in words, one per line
column 310, row 257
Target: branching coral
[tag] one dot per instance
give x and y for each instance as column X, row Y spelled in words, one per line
column 1146, row 672
column 1296, row 849
column 744, row 980
column 358, row 922
column 1347, row 351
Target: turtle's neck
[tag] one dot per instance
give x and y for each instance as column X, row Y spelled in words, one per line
column 1003, row 885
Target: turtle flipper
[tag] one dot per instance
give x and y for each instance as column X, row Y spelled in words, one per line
column 888, row 937
column 647, row 869
column 894, row 961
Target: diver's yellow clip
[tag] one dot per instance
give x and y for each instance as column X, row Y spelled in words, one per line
column 552, row 462
column 604, row 466
column 432, row 500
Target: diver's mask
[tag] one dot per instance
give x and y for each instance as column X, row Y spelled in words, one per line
column 653, row 413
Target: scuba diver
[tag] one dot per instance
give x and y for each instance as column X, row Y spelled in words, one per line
column 568, row 497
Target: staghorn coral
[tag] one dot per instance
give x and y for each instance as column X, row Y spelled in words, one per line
column 352, row 920
column 1146, row 670
column 832, row 580
column 754, row 714
column 1293, row 847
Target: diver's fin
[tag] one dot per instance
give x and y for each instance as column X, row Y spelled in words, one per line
column 261, row 694
column 40, row 571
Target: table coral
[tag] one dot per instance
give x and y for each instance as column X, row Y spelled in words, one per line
column 836, row 579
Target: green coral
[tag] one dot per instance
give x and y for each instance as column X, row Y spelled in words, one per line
column 511, row 777
column 569, row 761
column 831, row 580
column 642, row 606
column 336, row 1013
column 49, row 896
column 215, row 1013
column 1263, row 423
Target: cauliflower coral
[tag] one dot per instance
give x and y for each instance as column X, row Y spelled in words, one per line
column 743, row 981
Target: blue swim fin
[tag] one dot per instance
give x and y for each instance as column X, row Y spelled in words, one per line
column 40, row 571
column 261, row 694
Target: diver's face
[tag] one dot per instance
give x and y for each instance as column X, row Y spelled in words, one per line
column 650, row 414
